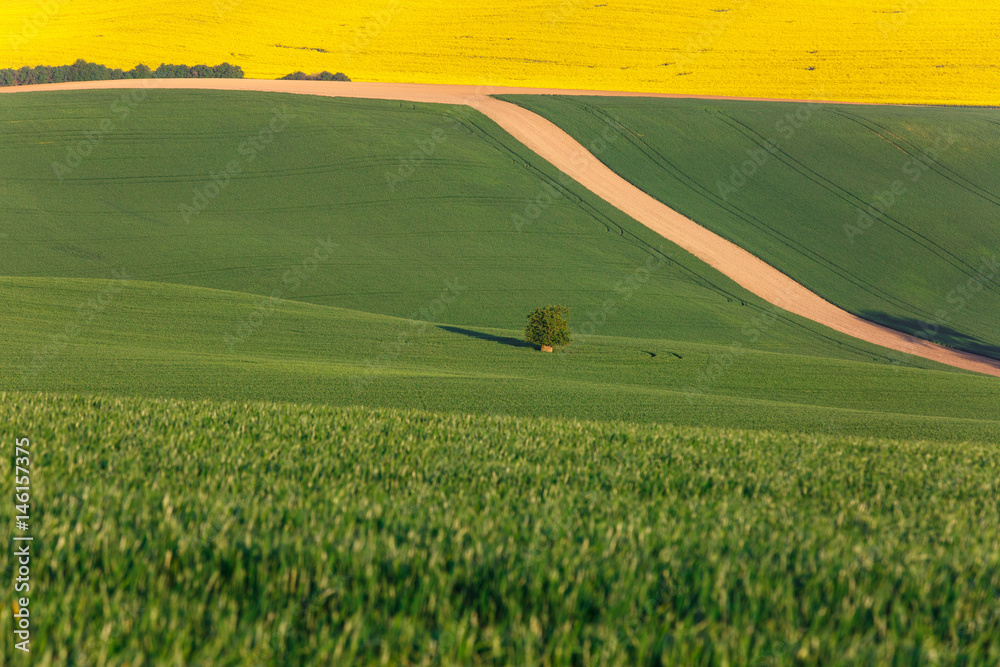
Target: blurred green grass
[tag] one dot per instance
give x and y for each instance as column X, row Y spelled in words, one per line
column 194, row 533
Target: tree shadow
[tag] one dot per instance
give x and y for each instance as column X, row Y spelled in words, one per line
column 935, row 333
column 503, row 340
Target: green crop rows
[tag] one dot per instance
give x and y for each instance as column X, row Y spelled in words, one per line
column 197, row 533
column 889, row 212
column 259, row 338
column 169, row 340
column 392, row 209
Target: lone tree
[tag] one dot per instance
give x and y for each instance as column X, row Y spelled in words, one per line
column 548, row 326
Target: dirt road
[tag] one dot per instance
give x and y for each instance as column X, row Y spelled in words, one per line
column 408, row 92
column 565, row 153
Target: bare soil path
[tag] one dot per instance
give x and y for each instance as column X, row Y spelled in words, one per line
column 565, row 153
column 408, row 92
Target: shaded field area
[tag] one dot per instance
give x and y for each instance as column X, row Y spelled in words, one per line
column 230, row 533
column 134, row 338
column 885, row 211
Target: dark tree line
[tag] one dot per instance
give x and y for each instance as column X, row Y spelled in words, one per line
column 322, row 76
column 81, row 70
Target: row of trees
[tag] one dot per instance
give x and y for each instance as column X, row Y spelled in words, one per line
column 81, row 70
column 322, row 76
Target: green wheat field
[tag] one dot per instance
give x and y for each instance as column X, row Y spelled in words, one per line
column 281, row 412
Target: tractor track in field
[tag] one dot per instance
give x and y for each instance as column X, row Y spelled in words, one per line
column 558, row 148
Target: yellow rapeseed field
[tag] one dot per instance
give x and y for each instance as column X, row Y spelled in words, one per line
column 942, row 51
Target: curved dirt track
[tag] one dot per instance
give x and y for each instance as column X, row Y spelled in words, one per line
column 431, row 93
column 565, row 153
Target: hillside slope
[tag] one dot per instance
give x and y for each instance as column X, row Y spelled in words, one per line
column 396, row 209
column 369, row 205
column 886, row 212
column 134, row 338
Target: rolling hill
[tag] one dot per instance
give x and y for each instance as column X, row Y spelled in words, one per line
column 266, row 349
column 286, row 278
column 159, row 340
column 888, row 212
